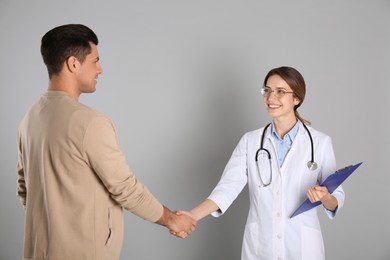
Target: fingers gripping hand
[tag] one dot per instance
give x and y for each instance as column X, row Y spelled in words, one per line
column 180, row 234
column 184, row 225
column 317, row 193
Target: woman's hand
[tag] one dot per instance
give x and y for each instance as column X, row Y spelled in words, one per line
column 321, row 193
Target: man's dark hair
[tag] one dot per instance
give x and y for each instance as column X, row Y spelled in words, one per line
column 64, row 41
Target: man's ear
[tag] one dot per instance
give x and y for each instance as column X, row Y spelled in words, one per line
column 72, row 63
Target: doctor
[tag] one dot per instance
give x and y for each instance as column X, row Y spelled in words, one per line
column 279, row 177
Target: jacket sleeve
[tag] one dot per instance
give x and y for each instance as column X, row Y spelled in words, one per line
column 102, row 150
column 21, row 190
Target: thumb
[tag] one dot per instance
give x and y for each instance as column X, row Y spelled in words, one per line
column 180, row 212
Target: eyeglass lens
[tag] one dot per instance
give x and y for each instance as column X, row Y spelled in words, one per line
column 266, row 92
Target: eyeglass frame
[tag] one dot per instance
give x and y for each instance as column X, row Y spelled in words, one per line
column 279, row 93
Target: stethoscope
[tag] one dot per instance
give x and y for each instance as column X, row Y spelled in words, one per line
column 311, row 165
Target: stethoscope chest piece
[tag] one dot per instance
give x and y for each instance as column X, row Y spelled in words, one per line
column 312, row 165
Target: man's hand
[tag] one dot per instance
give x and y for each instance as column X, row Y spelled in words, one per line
column 179, row 225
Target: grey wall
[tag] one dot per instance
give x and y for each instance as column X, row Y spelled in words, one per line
column 181, row 82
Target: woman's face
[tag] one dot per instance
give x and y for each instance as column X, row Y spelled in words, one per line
column 282, row 106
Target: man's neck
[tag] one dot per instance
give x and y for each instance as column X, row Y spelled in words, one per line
column 60, row 84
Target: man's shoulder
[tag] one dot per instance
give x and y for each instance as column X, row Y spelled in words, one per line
column 87, row 114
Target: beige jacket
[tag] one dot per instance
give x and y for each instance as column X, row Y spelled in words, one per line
column 73, row 181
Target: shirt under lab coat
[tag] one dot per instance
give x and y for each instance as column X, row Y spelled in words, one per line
column 270, row 233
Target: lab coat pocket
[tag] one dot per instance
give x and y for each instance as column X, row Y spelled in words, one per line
column 312, row 244
column 255, row 245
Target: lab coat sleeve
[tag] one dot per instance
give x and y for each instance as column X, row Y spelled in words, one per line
column 233, row 180
column 329, row 167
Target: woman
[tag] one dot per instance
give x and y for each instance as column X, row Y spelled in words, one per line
column 277, row 186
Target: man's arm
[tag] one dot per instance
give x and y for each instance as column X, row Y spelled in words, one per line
column 21, row 187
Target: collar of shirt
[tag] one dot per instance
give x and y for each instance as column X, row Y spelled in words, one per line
column 284, row 145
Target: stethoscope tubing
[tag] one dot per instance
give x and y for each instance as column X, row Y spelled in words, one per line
column 312, row 165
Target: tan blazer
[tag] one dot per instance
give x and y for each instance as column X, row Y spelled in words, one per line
column 73, row 181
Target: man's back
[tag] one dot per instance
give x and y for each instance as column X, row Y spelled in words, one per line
column 73, row 179
column 67, row 206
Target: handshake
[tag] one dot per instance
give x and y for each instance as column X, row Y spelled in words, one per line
column 180, row 223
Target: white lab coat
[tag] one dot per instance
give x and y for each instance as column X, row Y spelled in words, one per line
column 269, row 231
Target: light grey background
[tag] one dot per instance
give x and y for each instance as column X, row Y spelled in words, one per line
column 181, row 82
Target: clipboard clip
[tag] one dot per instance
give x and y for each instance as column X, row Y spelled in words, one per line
column 342, row 169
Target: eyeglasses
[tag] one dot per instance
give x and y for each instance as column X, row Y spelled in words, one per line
column 279, row 93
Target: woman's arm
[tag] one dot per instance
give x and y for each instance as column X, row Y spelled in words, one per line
column 202, row 210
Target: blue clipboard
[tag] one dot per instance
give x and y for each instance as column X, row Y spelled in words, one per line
column 331, row 183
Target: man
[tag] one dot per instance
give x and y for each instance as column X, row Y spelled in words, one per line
column 73, row 180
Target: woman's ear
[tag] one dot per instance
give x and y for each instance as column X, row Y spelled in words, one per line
column 297, row 101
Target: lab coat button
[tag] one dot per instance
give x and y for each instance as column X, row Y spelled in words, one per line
column 279, row 236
